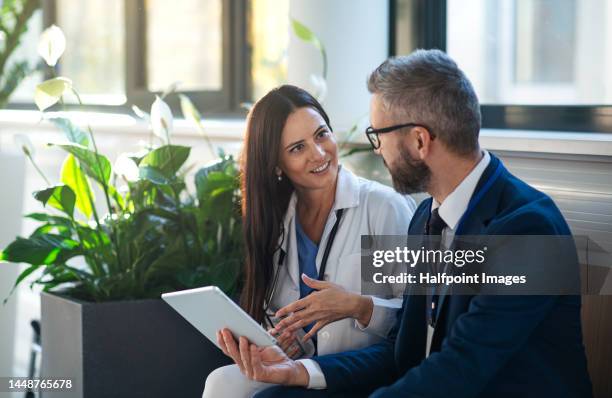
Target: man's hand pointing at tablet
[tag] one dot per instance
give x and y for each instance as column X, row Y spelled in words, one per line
column 266, row 364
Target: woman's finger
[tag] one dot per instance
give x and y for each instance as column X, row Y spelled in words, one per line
column 293, row 352
column 293, row 318
column 316, row 327
column 305, row 321
column 245, row 355
column 293, row 307
column 285, row 340
column 315, row 283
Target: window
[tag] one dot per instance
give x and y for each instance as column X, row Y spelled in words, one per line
column 122, row 52
column 535, row 64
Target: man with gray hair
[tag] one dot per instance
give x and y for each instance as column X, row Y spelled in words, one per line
column 425, row 121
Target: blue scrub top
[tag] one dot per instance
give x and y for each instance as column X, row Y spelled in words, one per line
column 307, row 257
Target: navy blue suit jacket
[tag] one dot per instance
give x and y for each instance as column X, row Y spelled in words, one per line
column 483, row 346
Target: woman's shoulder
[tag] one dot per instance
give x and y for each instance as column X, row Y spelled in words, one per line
column 377, row 194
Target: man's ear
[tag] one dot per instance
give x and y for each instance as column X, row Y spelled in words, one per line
column 423, row 141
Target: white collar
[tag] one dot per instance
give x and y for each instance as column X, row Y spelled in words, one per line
column 457, row 202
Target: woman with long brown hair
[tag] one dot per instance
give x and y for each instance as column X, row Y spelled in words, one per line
column 303, row 217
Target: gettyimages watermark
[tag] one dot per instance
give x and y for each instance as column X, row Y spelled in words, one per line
column 484, row 264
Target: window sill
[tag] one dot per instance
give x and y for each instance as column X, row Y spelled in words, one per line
column 26, row 121
column 559, row 142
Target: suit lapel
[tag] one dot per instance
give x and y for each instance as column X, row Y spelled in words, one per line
column 475, row 224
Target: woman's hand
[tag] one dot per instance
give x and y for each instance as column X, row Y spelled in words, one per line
column 268, row 364
column 329, row 303
column 287, row 341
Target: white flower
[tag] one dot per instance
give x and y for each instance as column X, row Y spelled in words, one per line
column 24, row 143
column 161, row 118
column 126, row 167
column 171, row 89
column 320, row 86
column 50, row 91
column 141, row 114
column 52, row 44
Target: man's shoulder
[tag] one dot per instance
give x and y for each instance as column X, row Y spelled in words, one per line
column 526, row 210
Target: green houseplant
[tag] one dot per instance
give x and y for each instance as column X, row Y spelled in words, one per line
column 14, row 17
column 151, row 236
column 111, row 239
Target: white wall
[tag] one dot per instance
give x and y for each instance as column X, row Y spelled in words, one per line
column 11, row 179
column 355, row 35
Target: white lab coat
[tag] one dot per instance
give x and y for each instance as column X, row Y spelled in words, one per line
column 370, row 208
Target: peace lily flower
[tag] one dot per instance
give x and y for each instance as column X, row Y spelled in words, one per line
column 49, row 92
column 126, row 167
column 24, row 143
column 141, row 114
column 161, row 118
column 320, row 86
column 171, row 89
column 52, row 44
column 191, row 113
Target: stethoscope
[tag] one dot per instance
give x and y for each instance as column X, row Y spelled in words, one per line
column 433, row 297
column 281, row 260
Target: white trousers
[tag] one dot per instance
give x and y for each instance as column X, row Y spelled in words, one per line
column 229, row 382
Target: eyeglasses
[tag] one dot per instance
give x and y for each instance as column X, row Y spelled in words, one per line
column 373, row 133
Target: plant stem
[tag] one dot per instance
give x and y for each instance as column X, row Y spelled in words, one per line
column 104, row 184
column 38, row 169
column 12, row 37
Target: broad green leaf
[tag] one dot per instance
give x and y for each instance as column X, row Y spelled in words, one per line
column 95, row 165
column 40, row 250
column 73, row 176
column 208, row 181
column 73, row 132
column 154, row 175
column 168, row 159
column 49, row 92
column 61, row 197
column 44, row 217
column 24, row 274
column 116, row 197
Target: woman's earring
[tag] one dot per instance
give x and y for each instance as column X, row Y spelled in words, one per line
column 280, row 177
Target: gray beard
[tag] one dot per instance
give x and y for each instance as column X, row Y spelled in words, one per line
column 409, row 175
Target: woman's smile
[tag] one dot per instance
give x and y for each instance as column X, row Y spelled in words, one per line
column 322, row 168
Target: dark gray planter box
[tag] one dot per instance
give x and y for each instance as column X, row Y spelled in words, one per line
column 140, row 348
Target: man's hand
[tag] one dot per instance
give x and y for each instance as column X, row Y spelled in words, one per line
column 268, row 364
column 329, row 303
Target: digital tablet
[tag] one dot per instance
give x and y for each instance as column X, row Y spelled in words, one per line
column 209, row 310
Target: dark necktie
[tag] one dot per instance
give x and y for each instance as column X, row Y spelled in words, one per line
column 435, row 225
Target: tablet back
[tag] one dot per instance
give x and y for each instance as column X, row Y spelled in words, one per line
column 208, row 309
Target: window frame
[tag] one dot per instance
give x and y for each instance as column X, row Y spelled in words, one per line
column 236, row 65
column 431, row 18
